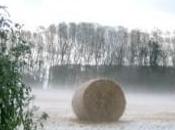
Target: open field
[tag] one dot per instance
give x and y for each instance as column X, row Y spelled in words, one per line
column 143, row 112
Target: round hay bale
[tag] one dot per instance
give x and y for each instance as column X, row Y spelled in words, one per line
column 99, row 100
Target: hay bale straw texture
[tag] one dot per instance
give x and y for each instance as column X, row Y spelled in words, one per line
column 99, row 100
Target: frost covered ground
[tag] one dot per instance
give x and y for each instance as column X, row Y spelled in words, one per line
column 143, row 112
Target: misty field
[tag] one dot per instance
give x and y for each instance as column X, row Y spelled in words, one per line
column 144, row 111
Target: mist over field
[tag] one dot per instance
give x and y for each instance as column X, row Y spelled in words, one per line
column 149, row 94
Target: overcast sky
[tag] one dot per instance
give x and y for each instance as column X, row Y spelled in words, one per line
column 142, row 14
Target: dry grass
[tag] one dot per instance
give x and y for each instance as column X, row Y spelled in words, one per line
column 99, row 100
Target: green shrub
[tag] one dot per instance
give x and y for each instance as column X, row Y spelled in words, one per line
column 15, row 96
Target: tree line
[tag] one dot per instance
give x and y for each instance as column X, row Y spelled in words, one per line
column 93, row 44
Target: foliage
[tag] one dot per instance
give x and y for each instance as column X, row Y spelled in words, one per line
column 15, row 96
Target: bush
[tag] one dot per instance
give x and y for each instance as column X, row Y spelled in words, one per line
column 15, row 96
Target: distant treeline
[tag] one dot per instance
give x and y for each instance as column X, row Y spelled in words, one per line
column 93, row 44
column 131, row 56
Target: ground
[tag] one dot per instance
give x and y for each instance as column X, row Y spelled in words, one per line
column 144, row 111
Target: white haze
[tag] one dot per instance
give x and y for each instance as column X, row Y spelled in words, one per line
column 143, row 14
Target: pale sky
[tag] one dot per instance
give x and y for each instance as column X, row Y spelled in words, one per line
column 142, row 14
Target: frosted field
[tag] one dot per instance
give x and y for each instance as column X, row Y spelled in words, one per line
column 143, row 112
